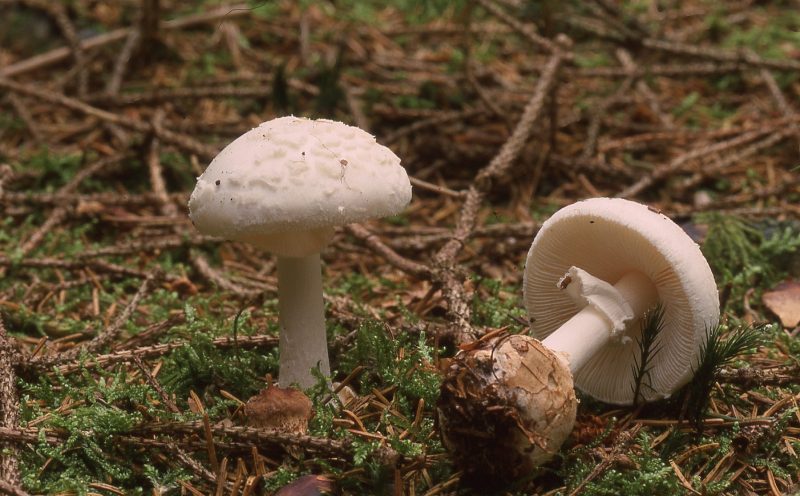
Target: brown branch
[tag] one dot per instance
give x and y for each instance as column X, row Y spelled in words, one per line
column 182, row 141
column 59, row 15
column 213, row 275
column 66, row 366
column 643, row 88
column 355, row 107
column 123, row 60
column 621, row 445
column 9, row 406
column 237, row 437
column 60, row 212
column 272, row 437
column 523, row 230
column 600, row 112
column 445, row 259
column 749, row 377
column 627, row 23
column 783, row 105
column 106, row 198
column 57, row 55
column 12, row 490
column 167, row 208
column 170, row 94
column 150, row 245
column 746, row 58
column 171, row 406
column 664, row 171
column 665, row 70
column 24, row 113
column 374, row 242
column 149, row 24
column 526, row 30
column 438, row 120
column 95, row 265
column 109, row 334
column 193, row 464
column 720, row 164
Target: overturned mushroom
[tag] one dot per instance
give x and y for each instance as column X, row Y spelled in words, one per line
column 592, row 272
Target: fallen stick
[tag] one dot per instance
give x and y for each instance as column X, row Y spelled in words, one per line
column 58, row 54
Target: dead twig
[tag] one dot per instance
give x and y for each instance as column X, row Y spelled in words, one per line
column 12, row 489
column 445, row 271
column 720, row 164
column 664, row 171
column 526, row 30
column 374, row 242
column 177, row 139
column 24, row 113
column 59, row 15
column 780, row 100
column 59, row 54
column 749, row 377
column 624, row 439
column 59, row 213
column 132, row 42
column 66, row 366
column 109, row 334
column 9, row 406
column 643, row 88
column 155, row 384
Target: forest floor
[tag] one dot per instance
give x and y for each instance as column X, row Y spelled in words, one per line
column 120, row 371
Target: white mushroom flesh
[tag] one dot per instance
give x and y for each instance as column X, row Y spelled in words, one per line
column 606, row 312
column 303, row 342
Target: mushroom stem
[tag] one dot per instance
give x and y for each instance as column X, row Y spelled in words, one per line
column 303, row 340
column 606, row 311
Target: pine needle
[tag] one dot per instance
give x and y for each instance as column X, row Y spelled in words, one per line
column 651, row 325
column 717, row 352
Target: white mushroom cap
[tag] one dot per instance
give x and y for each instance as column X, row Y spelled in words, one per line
column 609, row 238
column 283, row 185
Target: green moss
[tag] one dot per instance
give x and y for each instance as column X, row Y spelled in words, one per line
column 104, row 404
column 500, row 306
column 744, row 255
column 401, row 360
column 652, row 475
column 202, row 367
column 769, row 39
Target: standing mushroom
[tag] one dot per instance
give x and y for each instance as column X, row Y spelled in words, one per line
column 593, row 270
column 283, row 187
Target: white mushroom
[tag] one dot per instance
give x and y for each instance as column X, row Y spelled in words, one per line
column 593, row 270
column 282, row 187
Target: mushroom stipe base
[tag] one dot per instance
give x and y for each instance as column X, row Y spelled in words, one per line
column 505, row 407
